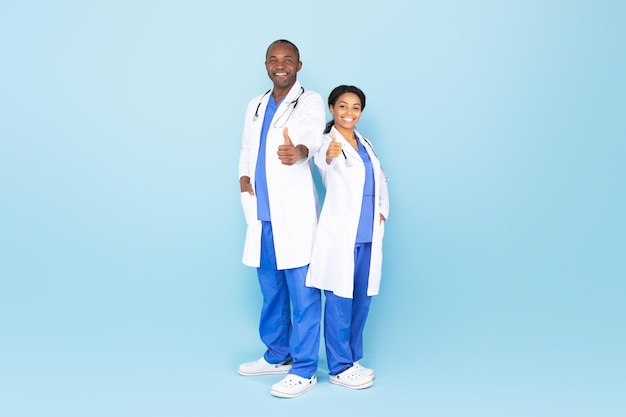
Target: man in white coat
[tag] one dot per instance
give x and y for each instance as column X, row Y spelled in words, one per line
column 282, row 130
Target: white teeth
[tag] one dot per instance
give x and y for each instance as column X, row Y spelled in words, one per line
column 281, row 73
column 348, row 119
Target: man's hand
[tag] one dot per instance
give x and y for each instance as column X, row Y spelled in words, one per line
column 289, row 154
column 245, row 186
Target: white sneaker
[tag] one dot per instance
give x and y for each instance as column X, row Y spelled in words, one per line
column 262, row 367
column 292, row 386
column 365, row 371
column 352, row 378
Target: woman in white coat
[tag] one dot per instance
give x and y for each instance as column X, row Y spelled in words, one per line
column 346, row 260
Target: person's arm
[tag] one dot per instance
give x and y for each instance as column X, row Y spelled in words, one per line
column 383, row 190
column 306, row 137
column 244, row 155
column 383, row 200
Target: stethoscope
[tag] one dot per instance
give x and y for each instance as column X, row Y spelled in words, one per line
column 349, row 164
column 294, row 102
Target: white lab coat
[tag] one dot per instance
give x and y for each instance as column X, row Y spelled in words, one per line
column 294, row 204
column 332, row 260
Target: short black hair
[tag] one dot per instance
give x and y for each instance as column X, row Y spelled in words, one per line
column 295, row 48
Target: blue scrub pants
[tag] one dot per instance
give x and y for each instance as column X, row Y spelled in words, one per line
column 344, row 318
column 282, row 289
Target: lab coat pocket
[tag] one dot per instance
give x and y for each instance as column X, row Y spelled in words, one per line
column 248, row 203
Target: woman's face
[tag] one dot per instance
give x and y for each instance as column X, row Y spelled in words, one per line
column 346, row 111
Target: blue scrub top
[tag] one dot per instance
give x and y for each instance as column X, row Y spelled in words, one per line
column 260, row 179
column 366, row 220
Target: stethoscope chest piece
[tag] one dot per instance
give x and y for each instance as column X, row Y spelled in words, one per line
column 348, row 163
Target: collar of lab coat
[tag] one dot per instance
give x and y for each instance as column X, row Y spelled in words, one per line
column 291, row 95
column 348, row 147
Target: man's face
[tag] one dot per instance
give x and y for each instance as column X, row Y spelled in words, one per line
column 282, row 65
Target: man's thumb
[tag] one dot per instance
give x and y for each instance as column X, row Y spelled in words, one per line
column 286, row 136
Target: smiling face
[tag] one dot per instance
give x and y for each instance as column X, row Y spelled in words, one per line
column 346, row 111
column 282, row 64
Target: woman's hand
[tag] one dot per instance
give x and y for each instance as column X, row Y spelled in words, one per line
column 334, row 149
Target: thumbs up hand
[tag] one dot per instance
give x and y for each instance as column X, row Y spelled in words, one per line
column 334, row 149
column 287, row 153
column 286, row 136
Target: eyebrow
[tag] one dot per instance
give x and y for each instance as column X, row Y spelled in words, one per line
column 345, row 102
column 284, row 56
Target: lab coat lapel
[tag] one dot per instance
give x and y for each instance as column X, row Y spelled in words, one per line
column 283, row 108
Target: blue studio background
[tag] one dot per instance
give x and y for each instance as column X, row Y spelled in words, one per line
column 501, row 125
